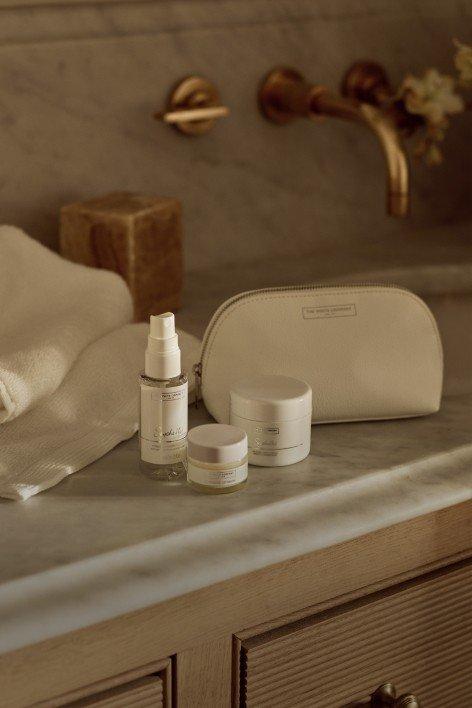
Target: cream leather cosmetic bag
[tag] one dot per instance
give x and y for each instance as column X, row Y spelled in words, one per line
column 368, row 351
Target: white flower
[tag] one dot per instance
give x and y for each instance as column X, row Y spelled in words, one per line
column 463, row 62
column 431, row 96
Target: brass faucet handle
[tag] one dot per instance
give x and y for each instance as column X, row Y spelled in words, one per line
column 195, row 114
column 193, row 106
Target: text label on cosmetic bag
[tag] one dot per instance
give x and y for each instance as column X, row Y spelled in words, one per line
column 326, row 311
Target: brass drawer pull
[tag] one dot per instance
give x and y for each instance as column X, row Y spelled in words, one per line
column 385, row 696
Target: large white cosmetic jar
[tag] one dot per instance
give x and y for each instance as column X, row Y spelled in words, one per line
column 275, row 412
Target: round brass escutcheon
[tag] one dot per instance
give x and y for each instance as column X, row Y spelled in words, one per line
column 272, row 87
column 366, row 81
column 285, row 95
column 193, row 106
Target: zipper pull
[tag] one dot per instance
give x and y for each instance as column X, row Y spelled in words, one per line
column 197, row 372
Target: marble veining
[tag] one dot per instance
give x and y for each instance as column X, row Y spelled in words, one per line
column 108, row 540
column 79, row 82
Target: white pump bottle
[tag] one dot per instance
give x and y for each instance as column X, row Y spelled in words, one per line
column 164, row 403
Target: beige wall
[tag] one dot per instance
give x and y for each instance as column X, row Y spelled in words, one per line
column 79, row 82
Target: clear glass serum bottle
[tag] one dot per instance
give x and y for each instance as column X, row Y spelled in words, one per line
column 164, row 404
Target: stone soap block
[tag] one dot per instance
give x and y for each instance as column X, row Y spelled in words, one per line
column 138, row 236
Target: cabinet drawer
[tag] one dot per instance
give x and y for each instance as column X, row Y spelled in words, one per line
column 418, row 635
column 146, row 691
column 147, row 687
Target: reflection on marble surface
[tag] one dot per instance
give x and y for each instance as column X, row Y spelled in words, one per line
column 108, row 540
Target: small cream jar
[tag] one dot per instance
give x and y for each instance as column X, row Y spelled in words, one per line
column 217, row 458
column 275, row 412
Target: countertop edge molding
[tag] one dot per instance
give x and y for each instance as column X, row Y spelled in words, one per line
column 77, row 595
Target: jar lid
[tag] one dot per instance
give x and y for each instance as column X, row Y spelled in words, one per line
column 216, row 442
column 267, row 398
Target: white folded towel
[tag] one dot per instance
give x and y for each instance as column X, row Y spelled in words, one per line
column 94, row 409
column 67, row 355
column 50, row 310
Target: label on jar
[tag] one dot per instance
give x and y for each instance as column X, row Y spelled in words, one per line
column 215, row 477
column 274, row 438
column 164, row 422
column 270, row 452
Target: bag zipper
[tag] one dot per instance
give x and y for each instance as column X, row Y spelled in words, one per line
column 198, row 368
column 197, row 372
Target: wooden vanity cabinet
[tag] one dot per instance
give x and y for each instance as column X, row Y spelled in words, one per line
column 417, row 635
column 322, row 630
column 147, row 687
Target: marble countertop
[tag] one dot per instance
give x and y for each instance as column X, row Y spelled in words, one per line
column 108, row 540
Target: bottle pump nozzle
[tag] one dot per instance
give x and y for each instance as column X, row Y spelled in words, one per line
column 162, row 359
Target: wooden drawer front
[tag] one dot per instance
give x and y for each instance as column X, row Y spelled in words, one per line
column 147, row 686
column 143, row 692
column 417, row 635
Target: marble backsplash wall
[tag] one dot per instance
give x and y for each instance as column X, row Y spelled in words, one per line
column 79, row 82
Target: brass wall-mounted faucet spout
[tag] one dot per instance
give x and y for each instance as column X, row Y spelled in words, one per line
column 285, row 95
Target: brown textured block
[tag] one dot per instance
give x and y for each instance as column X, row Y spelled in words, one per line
column 138, row 236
